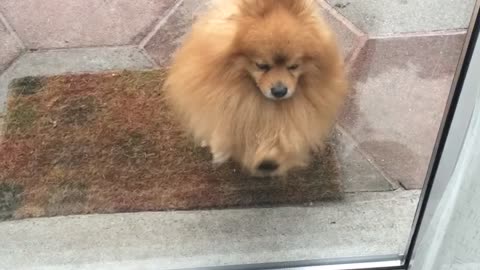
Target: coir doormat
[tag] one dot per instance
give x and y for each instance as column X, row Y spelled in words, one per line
column 106, row 143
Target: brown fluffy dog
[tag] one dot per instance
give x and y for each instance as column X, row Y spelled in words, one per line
column 259, row 81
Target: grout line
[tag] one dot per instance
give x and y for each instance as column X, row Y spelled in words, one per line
column 149, row 58
column 351, row 59
column 160, row 23
column 395, row 184
column 361, row 37
column 10, row 63
column 451, row 32
column 337, row 15
column 66, row 50
column 12, row 31
column 40, row 50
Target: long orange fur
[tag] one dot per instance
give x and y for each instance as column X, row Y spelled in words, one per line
column 219, row 103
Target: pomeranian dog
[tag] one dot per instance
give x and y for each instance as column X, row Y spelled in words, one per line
column 259, row 82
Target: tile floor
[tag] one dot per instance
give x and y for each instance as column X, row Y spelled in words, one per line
column 376, row 18
column 10, row 46
column 401, row 66
column 400, row 87
column 40, row 25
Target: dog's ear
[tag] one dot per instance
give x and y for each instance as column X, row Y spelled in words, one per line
column 324, row 52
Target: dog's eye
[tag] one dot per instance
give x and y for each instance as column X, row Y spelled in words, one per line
column 264, row 67
column 292, row 67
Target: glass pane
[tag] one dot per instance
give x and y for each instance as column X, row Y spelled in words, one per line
column 97, row 171
column 449, row 238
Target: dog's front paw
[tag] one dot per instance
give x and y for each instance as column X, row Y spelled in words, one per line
column 219, row 158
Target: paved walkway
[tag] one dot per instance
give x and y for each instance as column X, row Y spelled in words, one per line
column 401, row 64
column 366, row 224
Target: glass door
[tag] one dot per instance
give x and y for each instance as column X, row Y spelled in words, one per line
column 97, row 171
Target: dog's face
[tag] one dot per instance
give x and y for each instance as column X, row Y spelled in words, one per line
column 275, row 74
column 275, row 49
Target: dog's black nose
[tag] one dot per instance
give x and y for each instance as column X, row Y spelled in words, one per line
column 279, row 90
column 268, row 166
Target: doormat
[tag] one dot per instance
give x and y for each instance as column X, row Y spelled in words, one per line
column 106, row 143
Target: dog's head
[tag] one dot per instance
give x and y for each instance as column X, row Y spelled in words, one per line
column 279, row 42
column 275, row 74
